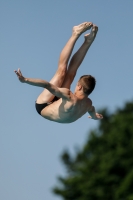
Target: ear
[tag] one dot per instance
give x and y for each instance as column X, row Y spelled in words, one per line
column 79, row 87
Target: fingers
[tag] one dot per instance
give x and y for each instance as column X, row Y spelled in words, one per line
column 100, row 116
column 18, row 73
column 90, row 117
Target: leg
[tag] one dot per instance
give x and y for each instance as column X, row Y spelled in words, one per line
column 60, row 74
column 78, row 57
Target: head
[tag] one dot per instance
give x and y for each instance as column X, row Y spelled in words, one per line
column 87, row 84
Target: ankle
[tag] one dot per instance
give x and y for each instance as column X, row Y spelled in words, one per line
column 75, row 35
column 88, row 40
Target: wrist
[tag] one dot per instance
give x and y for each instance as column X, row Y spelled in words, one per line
column 25, row 80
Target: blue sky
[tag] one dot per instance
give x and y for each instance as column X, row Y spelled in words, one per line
column 32, row 35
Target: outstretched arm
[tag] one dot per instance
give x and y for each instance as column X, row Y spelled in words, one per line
column 93, row 114
column 59, row 92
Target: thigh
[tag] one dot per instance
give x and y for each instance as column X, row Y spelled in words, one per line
column 57, row 80
column 68, row 79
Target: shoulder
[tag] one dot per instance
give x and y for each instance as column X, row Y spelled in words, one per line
column 89, row 101
column 66, row 94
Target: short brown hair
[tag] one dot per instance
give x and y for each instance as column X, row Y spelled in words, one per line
column 88, row 82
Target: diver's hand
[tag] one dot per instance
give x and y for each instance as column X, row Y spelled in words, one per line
column 20, row 76
column 97, row 116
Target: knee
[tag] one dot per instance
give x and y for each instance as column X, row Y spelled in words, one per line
column 62, row 66
column 62, row 71
column 71, row 75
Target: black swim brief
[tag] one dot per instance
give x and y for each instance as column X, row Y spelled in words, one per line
column 40, row 107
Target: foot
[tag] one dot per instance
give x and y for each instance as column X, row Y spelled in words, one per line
column 78, row 30
column 91, row 36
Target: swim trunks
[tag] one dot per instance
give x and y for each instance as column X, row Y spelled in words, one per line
column 40, row 107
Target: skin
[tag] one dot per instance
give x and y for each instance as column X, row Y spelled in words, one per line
column 70, row 106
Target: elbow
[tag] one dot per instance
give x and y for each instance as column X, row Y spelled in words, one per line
column 46, row 84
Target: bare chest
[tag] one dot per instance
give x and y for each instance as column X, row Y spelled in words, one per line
column 64, row 111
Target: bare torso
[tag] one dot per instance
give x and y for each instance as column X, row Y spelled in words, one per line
column 63, row 111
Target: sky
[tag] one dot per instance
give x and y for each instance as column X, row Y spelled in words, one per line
column 32, row 35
